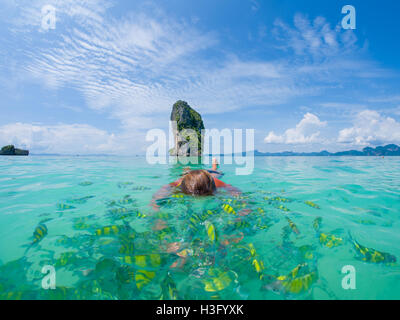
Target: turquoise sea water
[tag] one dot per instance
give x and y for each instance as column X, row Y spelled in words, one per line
column 304, row 216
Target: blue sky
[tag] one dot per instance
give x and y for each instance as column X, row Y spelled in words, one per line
column 110, row 71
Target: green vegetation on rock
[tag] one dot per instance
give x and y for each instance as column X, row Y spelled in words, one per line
column 187, row 121
column 10, row 150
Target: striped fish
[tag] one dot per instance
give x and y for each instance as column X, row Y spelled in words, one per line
column 372, row 255
column 119, row 210
column 143, row 261
column 277, row 199
column 330, row 240
column 178, row 196
column 66, row 258
column 283, row 208
column 85, row 183
column 141, row 188
column 169, row 291
column 63, row 206
column 80, row 200
column 125, row 274
column 293, row 226
column 143, row 277
column 39, row 233
column 80, row 224
column 312, row 204
column 127, row 246
column 218, row 280
column 211, row 232
column 296, row 282
column 240, row 224
column 228, row 208
column 317, row 223
column 108, row 230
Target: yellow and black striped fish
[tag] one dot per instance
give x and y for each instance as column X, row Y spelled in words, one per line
column 228, row 208
column 39, row 233
column 125, row 274
column 169, row 291
column 218, row 279
column 196, row 219
column 80, row 200
column 295, row 282
column 66, row 258
column 108, row 230
column 63, row 206
column 372, row 255
column 177, row 196
column 12, row 295
column 283, row 208
column 317, row 223
column 256, row 262
column 143, row 261
column 330, row 240
column 120, row 210
column 240, row 224
column 211, row 231
column 143, row 277
column 127, row 245
column 80, row 224
column 293, row 226
column 312, row 204
column 277, row 199
column 141, row 188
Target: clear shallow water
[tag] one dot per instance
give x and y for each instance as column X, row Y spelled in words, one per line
column 172, row 253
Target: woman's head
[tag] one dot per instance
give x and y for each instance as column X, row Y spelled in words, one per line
column 198, row 182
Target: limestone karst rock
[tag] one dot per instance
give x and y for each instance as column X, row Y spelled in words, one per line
column 10, row 150
column 188, row 131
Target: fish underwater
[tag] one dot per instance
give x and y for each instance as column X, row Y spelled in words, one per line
column 293, row 226
column 330, row 240
column 300, row 279
column 111, row 230
column 317, row 223
column 277, row 199
column 124, row 184
column 228, row 208
column 80, row 200
column 211, row 231
column 85, row 183
column 141, row 188
column 169, row 291
column 218, row 279
column 38, row 234
column 312, row 204
column 63, row 206
column 372, row 255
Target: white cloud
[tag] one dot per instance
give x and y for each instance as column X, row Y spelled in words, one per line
column 371, row 128
column 60, row 138
column 304, row 132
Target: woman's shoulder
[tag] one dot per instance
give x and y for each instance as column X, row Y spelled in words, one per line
column 219, row 183
column 176, row 183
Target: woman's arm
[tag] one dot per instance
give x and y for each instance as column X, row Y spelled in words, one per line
column 163, row 192
column 233, row 191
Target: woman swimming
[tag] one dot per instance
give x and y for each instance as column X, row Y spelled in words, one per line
column 196, row 183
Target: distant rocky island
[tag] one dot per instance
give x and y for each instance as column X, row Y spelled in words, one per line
column 12, row 151
column 388, row 150
column 188, row 123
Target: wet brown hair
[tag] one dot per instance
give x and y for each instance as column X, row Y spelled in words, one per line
column 198, row 182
